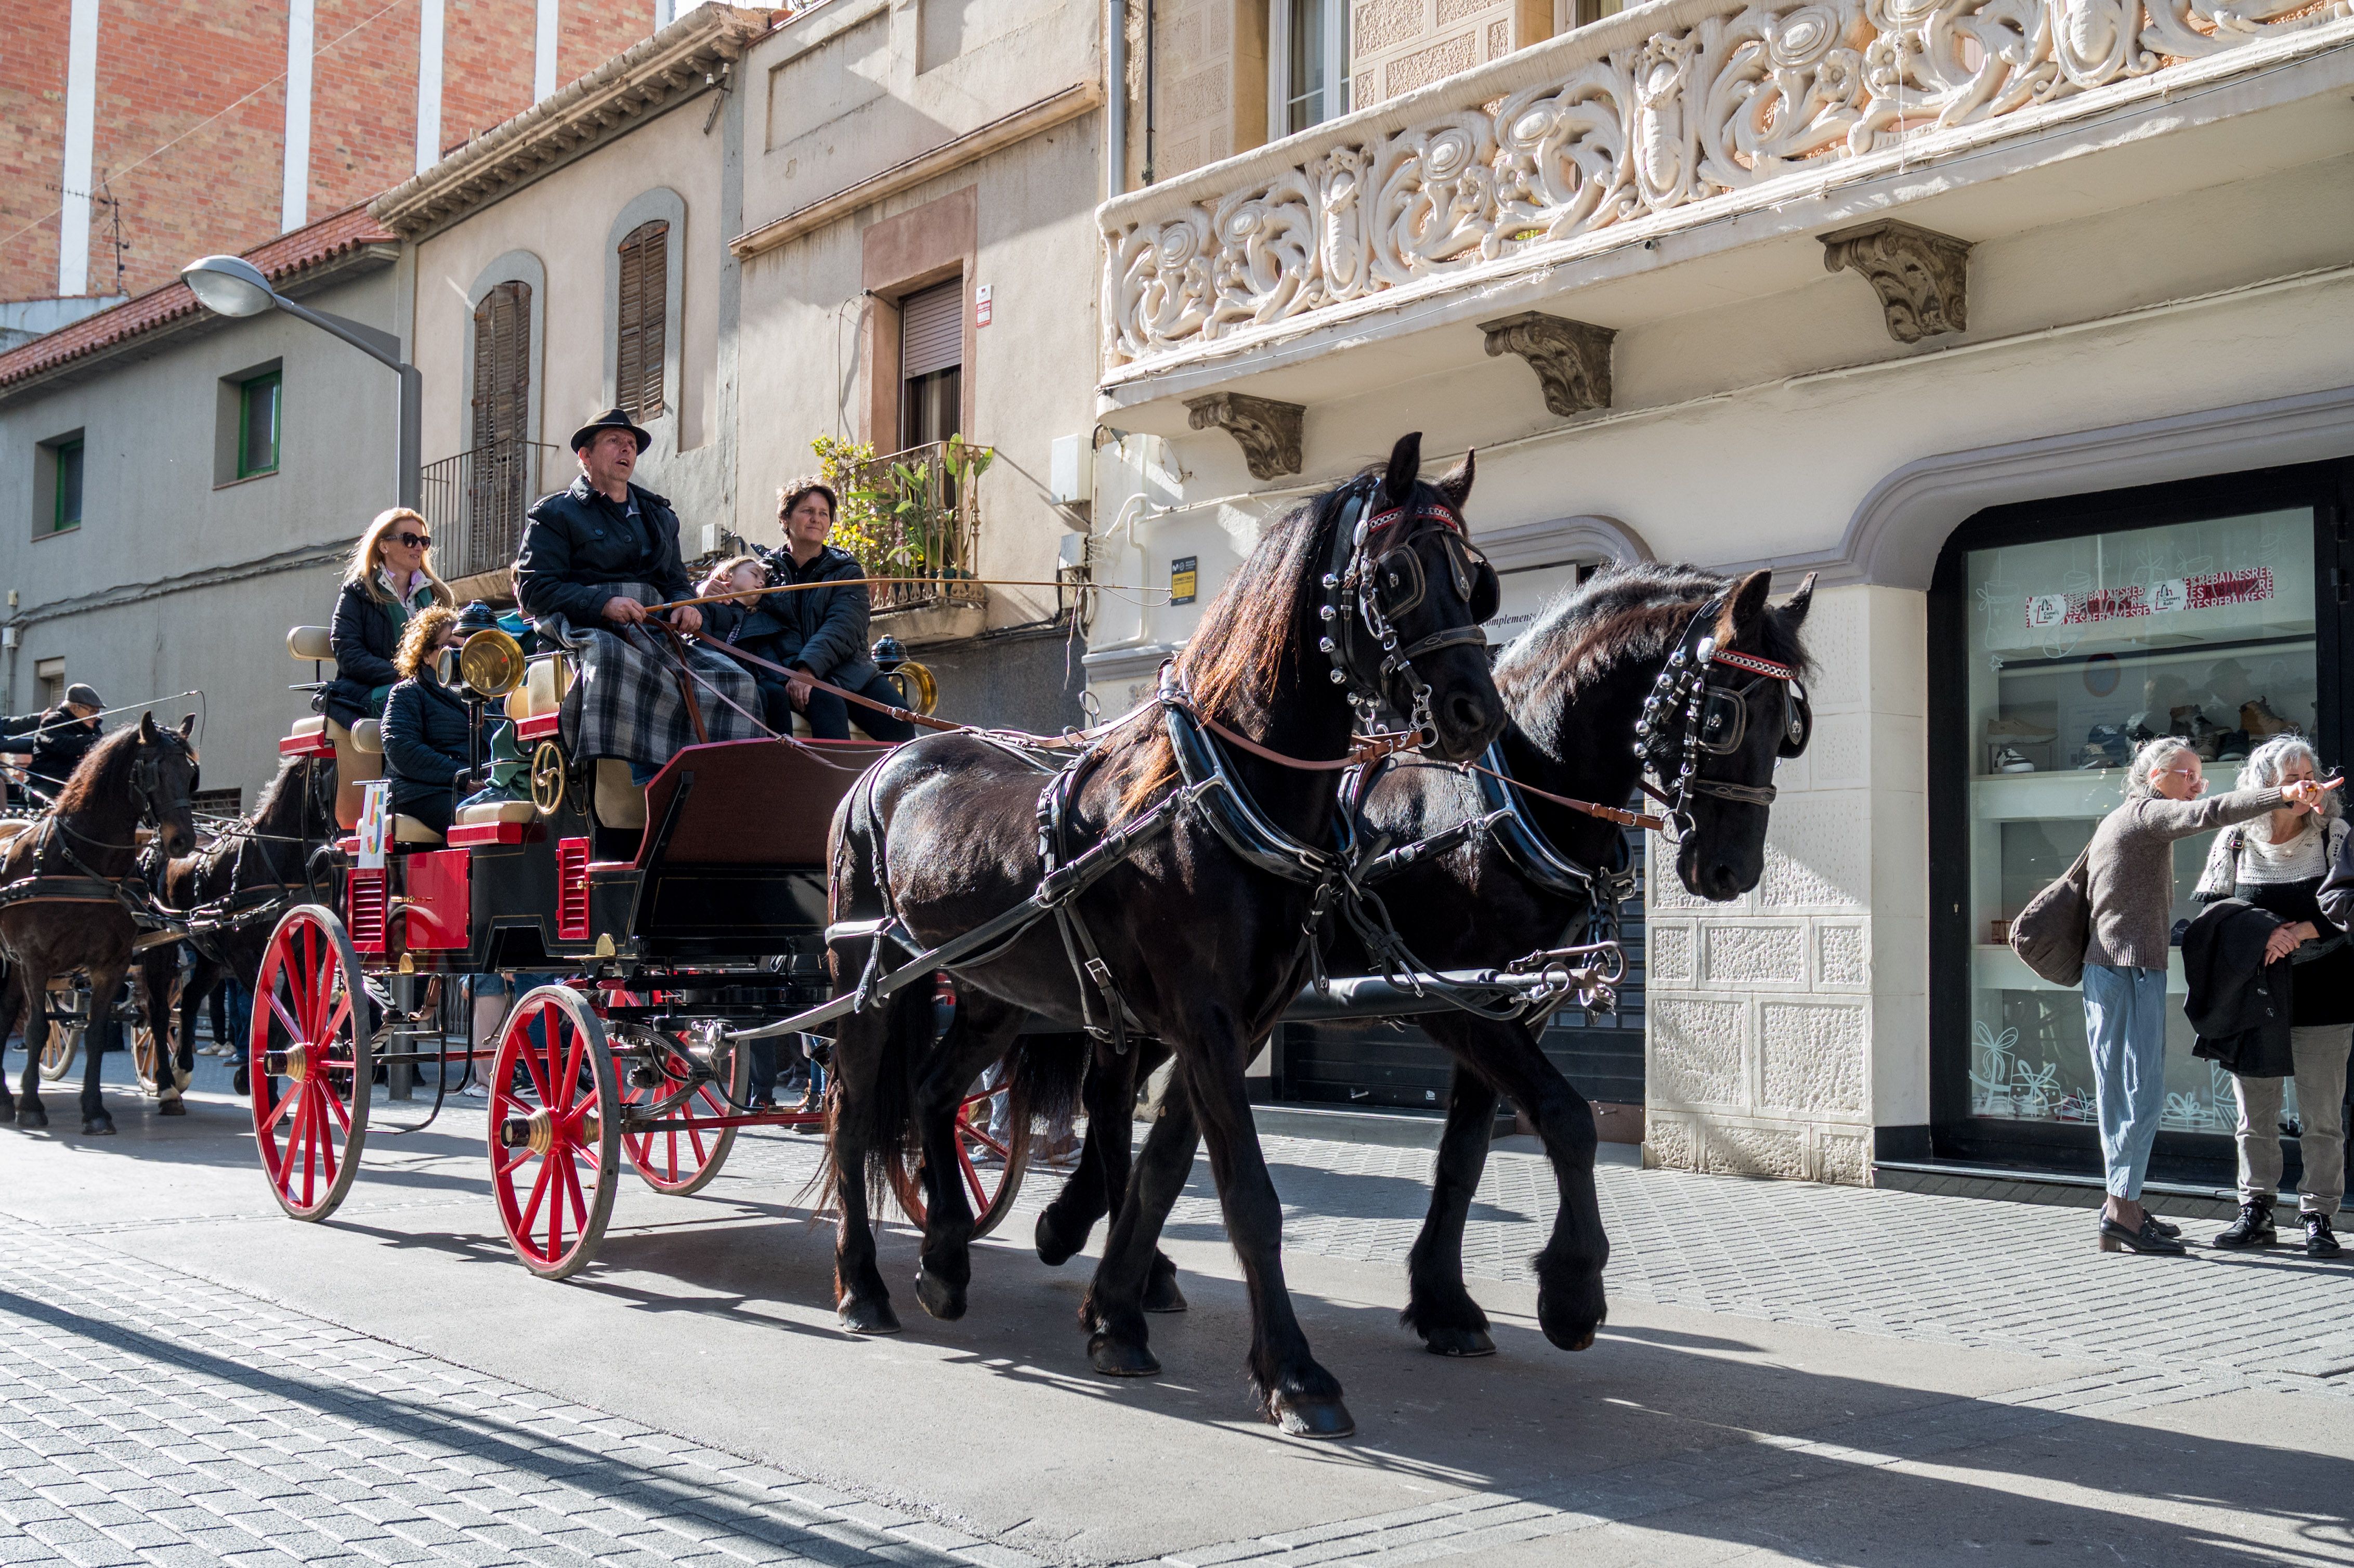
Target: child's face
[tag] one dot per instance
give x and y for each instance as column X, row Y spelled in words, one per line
column 747, row 581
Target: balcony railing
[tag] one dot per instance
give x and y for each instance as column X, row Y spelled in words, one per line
column 915, row 514
column 474, row 505
column 1670, row 112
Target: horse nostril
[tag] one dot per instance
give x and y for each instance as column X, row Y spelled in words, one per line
column 1467, row 714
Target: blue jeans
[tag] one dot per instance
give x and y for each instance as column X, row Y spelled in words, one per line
column 2125, row 1024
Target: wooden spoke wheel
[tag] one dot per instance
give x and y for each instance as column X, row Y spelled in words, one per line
column 555, row 1129
column 150, row 1064
column 551, row 777
column 309, row 1062
column 681, row 1159
column 58, row 1052
column 990, row 1169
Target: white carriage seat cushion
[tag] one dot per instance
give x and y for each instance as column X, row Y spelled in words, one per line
column 409, row 831
column 498, row 811
column 545, row 681
column 369, row 736
column 316, row 725
column 310, row 644
column 620, row 803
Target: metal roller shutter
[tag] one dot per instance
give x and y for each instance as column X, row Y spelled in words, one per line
column 931, row 330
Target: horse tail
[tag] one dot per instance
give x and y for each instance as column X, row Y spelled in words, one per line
column 1049, row 1075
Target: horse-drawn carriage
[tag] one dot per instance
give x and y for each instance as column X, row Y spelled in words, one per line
column 674, row 914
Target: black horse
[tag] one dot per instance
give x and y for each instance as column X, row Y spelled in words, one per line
column 72, row 866
column 1576, row 686
column 232, row 892
column 1362, row 594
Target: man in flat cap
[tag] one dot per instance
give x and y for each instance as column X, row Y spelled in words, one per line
column 593, row 557
column 57, row 738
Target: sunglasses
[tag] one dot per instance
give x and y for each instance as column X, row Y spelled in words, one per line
column 414, row 541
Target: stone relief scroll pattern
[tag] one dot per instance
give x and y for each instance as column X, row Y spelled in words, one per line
column 1737, row 98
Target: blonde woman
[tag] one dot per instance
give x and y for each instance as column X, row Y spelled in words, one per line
column 390, row 578
column 2277, row 863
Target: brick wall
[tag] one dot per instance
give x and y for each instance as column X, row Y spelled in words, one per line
column 1397, row 46
column 166, row 67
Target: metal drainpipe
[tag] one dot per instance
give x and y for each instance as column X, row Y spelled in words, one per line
column 1116, row 126
column 1147, row 91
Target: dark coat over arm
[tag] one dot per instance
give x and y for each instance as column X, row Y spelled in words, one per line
column 577, row 546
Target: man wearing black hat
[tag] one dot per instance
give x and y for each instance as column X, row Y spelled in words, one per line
column 593, row 557
column 60, row 737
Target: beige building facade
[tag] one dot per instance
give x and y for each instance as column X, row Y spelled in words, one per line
column 2023, row 332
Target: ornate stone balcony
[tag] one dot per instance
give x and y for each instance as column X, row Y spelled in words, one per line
column 1663, row 117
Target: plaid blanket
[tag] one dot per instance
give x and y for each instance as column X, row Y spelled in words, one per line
column 625, row 698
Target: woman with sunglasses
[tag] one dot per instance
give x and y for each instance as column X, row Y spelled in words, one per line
column 389, row 580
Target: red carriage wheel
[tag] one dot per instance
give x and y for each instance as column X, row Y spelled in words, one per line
column 684, row 1159
column 309, row 1062
column 991, row 1170
column 555, row 1129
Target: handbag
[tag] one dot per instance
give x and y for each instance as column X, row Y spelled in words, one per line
column 2053, row 932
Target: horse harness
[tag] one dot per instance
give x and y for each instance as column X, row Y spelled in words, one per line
column 133, row 890
column 1373, row 580
column 1688, row 716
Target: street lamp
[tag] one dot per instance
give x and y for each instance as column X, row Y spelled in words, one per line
column 232, row 286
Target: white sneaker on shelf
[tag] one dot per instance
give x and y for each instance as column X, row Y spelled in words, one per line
column 2010, row 760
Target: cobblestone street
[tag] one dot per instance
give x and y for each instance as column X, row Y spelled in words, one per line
column 1791, row 1374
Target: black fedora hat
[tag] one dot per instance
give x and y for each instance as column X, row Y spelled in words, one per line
column 611, row 419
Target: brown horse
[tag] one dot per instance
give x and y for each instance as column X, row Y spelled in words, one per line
column 71, row 913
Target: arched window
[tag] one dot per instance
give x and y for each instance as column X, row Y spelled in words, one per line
column 645, row 290
column 498, row 481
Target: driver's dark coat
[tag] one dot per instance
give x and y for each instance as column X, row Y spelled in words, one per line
column 61, row 746
column 579, row 546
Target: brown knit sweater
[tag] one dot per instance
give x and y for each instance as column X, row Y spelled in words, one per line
column 2130, row 872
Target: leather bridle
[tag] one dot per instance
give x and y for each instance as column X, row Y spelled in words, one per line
column 1688, row 717
column 1374, row 579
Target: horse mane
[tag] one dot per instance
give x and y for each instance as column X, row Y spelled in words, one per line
column 1622, row 612
column 274, row 792
column 104, row 775
column 1233, row 662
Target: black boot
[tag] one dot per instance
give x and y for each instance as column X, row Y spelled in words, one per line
column 2320, row 1241
column 2252, row 1228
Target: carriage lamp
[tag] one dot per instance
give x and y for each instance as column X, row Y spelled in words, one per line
column 232, row 286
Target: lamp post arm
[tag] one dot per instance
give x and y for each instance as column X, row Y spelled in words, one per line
column 380, row 346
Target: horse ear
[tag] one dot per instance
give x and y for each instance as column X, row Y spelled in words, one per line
column 1742, row 605
column 1794, row 608
column 1456, row 483
column 1406, row 467
column 147, row 727
column 187, row 726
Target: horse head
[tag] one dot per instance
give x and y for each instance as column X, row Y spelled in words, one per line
column 162, row 782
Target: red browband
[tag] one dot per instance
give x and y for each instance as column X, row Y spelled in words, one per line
column 1753, row 664
column 1445, row 514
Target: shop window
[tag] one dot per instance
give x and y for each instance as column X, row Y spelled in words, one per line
column 2075, row 651
column 1308, row 64
column 931, row 363
column 258, row 401
column 57, row 469
column 638, row 340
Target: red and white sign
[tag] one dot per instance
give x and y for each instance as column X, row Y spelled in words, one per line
column 2208, row 590
column 980, row 304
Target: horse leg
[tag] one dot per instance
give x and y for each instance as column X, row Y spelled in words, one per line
column 1113, row 1311
column 981, row 1033
column 1103, row 1154
column 1571, row 1303
column 1437, row 1306
column 873, row 1055
column 12, row 1002
column 33, row 981
column 1296, row 1393
column 155, row 993
column 104, row 982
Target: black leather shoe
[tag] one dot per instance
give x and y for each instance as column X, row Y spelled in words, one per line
column 2163, row 1227
column 2116, row 1237
column 2252, row 1228
column 2320, row 1241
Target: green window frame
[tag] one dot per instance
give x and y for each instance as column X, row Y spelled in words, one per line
column 256, row 442
column 65, row 501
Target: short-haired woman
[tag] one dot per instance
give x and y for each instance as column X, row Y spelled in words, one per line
column 390, row 579
column 2277, row 863
column 2129, row 885
column 426, row 735
column 821, row 631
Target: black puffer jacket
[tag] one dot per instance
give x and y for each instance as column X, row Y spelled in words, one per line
column 425, row 740
column 364, row 633
column 2240, row 1004
column 578, row 544
column 58, row 741
column 822, row 630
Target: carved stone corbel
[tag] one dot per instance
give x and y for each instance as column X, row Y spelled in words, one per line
column 1572, row 359
column 1267, row 430
column 1922, row 278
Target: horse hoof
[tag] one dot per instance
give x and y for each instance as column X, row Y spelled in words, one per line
column 1312, row 1417
column 172, row 1107
column 867, row 1316
column 1054, row 1251
column 243, row 1083
column 1161, row 1294
column 941, row 1300
column 1465, row 1344
column 34, row 1118
column 100, row 1125
column 7, row 1113
column 1117, row 1358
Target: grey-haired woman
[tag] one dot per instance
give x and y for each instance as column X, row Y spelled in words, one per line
column 2129, row 884
column 2277, row 863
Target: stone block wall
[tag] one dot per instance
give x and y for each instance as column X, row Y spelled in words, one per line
column 1209, row 98
column 1397, row 46
column 1785, row 1025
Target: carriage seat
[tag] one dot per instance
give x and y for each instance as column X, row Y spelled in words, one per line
column 368, row 739
column 310, row 645
column 498, row 811
column 547, row 679
column 316, row 725
column 620, row 803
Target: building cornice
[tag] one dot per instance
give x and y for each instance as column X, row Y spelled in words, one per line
column 681, row 62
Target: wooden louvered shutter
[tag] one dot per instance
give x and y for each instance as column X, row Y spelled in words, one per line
column 645, row 292
column 496, row 487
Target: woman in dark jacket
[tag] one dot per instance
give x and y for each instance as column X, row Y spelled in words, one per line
column 391, row 578
column 426, row 736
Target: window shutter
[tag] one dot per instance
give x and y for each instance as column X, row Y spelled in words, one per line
column 931, row 330
column 638, row 338
column 502, row 467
